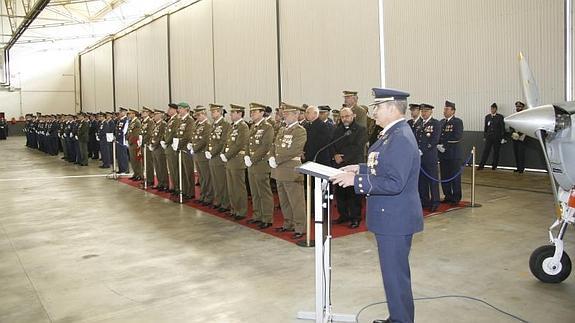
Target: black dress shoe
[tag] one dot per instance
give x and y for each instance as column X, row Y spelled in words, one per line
column 223, row 210
column 215, row 207
column 433, row 208
column 454, row 203
column 282, row 229
column 263, row 225
column 480, row 168
column 239, row 217
column 341, row 220
column 252, row 221
column 382, row 321
column 297, row 235
column 197, row 201
column 354, row 224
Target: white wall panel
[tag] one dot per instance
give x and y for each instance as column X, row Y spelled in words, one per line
column 104, row 78
column 328, row 46
column 191, row 54
column 126, row 71
column 245, row 51
column 466, row 51
column 152, row 60
column 88, row 86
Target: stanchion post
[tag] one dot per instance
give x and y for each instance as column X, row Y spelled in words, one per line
column 308, row 211
column 143, row 147
column 473, row 151
column 180, row 176
column 114, row 175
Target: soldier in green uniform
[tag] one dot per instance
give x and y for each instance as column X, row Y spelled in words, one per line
column 133, row 135
column 233, row 156
column 218, row 137
column 200, row 143
column 173, row 124
column 350, row 100
column 285, row 157
column 83, row 138
column 256, row 160
column 145, row 140
column 182, row 145
column 158, row 153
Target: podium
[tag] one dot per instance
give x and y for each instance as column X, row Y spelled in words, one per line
column 322, row 224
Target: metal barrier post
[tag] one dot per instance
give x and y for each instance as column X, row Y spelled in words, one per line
column 145, row 167
column 473, row 151
column 114, row 175
column 180, row 176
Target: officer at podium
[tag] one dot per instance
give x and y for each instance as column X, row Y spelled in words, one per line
column 389, row 180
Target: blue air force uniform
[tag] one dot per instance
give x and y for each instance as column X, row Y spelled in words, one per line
column 450, row 155
column 122, row 143
column 427, row 140
column 389, row 180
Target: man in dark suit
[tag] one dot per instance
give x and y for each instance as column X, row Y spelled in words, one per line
column 415, row 121
column 318, row 136
column 427, row 139
column 493, row 132
column 389, row 179
column 348, row 151
column 518, row 143
column 450, row 153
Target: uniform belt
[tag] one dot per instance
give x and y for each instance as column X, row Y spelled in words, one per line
column 296, row 159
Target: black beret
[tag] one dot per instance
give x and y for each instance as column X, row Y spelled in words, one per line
column 173, row 105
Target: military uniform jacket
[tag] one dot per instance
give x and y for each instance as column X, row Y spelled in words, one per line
column 259, row 145
column 74, row 130
column 84, row 131
column 428, row 138
column 236, row 144
column 389, row 179
column 120, row 135
column 62, row 129
column 218, row 137
column 287, row 150
column 201, row 139
column 494, row 126
column 54, row 127
column 158, row 134
column 147, row 130
column 185, row 132
column 360, row 115
column 134, row 131
column 415, row 124
column 171, row 129
column 451, row 135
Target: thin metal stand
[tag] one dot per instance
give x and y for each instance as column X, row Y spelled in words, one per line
column 308, row 242
column 180, row 176
column 143, row 147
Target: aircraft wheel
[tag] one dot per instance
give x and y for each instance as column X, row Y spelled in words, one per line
column 543, row 269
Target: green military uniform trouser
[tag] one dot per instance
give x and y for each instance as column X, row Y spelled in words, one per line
column 160, row 166
column 236, row 182
column 83, row 152
column 292, row 203
column 134, row 162
column 149, row 164
column 219, row 184
column 173, row 169
column 206, row 189
column 262, row 197
column 188, row 175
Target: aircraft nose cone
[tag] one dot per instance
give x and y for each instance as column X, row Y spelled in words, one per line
column 531, row 120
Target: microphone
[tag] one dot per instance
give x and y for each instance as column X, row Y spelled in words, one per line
column 345, row 134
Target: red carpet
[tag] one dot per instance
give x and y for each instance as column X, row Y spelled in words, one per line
column 338, row 230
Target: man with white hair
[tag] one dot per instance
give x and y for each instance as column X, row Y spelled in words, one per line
column 318, row 136
column 389, row 180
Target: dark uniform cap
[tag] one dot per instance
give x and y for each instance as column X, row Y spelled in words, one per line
column 494, row 105
column 184, row 105
column 257, row 107
column 349, row 93
column 324, row 108
column 214, row 106
column 172, row 105
column 384, row 95
column 122, row 109
column 146, row 109
column 199, row 108
column 425, row 106
column 413, row 106
column 132, row 111
column 520, row 104
column 335, row 112
column 449, row 104
column 234, row 107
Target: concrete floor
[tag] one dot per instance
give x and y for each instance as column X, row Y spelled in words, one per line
column 94, row 250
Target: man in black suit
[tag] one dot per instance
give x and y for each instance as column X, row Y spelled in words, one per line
column 493, row 132
column 348, row 151
column 318, row 136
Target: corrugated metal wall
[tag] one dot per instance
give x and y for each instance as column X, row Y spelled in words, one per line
column 466, row 51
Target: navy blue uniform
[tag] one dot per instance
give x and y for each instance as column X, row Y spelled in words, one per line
column 427, row 140
column 93, row 145
column 493, row 132
column 122, row 144
column 450, row 160
column 415, row 125
column 389, row 179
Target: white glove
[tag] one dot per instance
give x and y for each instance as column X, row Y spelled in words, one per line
column 515, row 136
column 190, row 147
column 223, row 158
column 441, row 148
column 420, row 152
column 208, row 155
column 70, row 135
column 503, row 141
column 76, row 137
column 272, row 162
column 247, row 161
column 163, row 144
column 150, row 148
column 174, row 146
column 109, row 137
column 139, row 142
column 97, row 138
